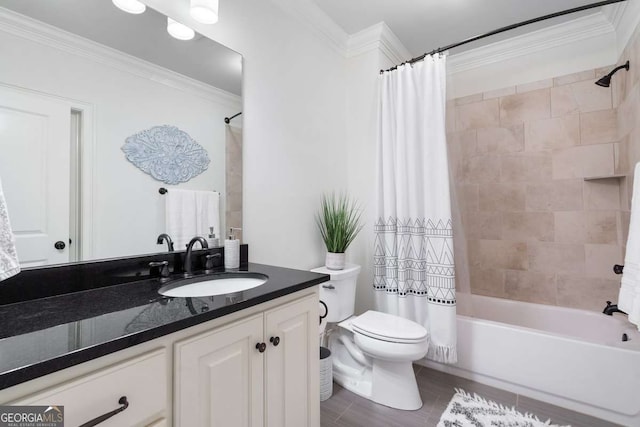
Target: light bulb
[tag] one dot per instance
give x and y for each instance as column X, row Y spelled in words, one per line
column 130, row 6
column 179, row 31
column 205, row 11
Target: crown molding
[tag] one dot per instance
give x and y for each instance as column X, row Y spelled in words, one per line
column 595, row 25
column 314, row 18
column 378, row 37
column 625, row 18
column 53, row 37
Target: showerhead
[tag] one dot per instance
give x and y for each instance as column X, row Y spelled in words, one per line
column 606, row 80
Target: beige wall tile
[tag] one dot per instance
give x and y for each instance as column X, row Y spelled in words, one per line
column 601, row 227
column 552, row 133
column 622, row 156
column 515, row 109
column 465, row 142
column 569, row 227
column 504, row 197
column 467, row 195
column 628, row 112
column 586, row 293
column 600, row 260
column 556, row 257
column 598, row 127
column 602, row 194
column 528, row 226
column 489, row 282
column 557, row 195
column 478, row 115
column 575, row 77
column 498, row 254
column 580, row 97
column 623, row 228
column 468, row 99
column 531, row 286
column 583, row 161
column 511, row 90
column 526, row 167
column 481, row 169
column 483, row 225
column 501, row 140
column 540, row 84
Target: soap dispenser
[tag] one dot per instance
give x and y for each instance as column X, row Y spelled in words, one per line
column 213, row 241
column 232, row 250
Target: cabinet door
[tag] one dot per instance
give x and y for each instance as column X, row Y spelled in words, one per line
column 219, row 377
column 292, row 366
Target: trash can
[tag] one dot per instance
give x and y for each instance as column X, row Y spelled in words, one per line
column 326, row 374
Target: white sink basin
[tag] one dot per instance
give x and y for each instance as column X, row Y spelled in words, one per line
column 216, row 284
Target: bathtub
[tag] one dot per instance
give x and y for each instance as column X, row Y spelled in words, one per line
column 571, row 358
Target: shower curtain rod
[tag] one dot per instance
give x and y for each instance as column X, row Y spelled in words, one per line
column 503, row 29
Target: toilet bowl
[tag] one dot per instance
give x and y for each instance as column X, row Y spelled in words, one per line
column 373, row 352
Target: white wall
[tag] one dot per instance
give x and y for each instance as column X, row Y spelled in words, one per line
column 294, row 125
column 128, row 212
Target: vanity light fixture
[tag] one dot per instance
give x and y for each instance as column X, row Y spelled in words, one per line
column 130, row 6
column 179, row 31
column 205, row 11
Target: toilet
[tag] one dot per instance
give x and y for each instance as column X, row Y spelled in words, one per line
column 373, row 352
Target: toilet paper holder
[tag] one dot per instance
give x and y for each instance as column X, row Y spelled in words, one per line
column 326, row 311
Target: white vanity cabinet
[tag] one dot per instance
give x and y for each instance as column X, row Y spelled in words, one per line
column 210, row 374
column 142, row 380
column 257, row 372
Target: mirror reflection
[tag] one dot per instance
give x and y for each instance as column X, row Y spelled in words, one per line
column 86, row 79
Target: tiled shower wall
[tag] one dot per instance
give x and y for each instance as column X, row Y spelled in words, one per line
column 540, row 172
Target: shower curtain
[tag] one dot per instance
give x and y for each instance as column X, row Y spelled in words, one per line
column 413, row 258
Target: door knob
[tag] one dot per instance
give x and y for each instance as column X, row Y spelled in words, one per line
column 275, row 341
column 261, row 347
column 59, row 245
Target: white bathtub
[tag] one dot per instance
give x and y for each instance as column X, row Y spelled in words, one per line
column 572, row 358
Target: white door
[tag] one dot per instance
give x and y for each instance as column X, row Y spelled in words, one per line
column 34, row 169
column 219, row 377
column 292, row 368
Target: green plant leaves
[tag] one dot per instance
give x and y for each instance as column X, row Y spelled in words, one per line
column 338, row 221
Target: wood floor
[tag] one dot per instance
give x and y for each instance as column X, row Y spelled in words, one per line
column 346, row 409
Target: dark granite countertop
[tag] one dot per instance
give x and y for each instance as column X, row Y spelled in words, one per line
column 41, row 336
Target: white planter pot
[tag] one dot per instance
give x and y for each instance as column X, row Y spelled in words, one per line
column 335, row 261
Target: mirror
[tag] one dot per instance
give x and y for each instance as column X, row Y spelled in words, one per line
column 79, row 77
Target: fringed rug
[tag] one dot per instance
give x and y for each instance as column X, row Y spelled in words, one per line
column 465, row 410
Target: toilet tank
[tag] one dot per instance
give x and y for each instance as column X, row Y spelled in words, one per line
column 339, row 293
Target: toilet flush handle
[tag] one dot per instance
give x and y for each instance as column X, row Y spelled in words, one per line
column 328, row 286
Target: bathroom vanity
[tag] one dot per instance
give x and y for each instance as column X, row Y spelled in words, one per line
column 245, row 359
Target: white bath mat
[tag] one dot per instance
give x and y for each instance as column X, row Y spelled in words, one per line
column 466, row 410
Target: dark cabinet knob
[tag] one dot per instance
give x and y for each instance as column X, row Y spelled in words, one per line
column 59, row 245
column 261, row 347
column 618, row 269
column 275, row 341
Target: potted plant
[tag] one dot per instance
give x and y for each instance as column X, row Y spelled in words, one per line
column 339, row 223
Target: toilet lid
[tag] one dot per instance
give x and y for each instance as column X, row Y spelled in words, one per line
column 388, row 327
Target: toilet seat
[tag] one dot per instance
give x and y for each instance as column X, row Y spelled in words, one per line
column 390, row 328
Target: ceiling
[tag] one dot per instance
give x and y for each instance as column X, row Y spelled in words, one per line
column 143, row 36
column 424, row 25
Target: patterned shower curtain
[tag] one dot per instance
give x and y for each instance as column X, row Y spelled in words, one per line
column 414, row 275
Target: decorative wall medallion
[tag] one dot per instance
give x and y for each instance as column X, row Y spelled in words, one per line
column 166, row 153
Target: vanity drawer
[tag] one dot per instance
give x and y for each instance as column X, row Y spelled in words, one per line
column 143, row 380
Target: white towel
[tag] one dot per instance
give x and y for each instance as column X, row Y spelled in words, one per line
column 9, row 265
column 190, row 213
column 629, row 298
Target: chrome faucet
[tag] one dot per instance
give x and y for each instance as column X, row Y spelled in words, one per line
column 163, row 237
column 187, row 256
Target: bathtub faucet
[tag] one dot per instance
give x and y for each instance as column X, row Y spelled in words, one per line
column 612, row 308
